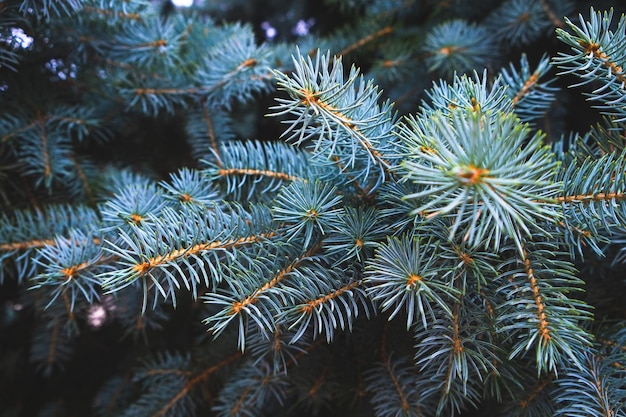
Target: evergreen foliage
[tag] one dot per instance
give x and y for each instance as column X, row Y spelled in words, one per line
column 373, row 208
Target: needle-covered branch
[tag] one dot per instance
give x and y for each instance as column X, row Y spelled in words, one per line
column 341, row 117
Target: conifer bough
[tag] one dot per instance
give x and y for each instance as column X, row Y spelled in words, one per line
column 415, row 231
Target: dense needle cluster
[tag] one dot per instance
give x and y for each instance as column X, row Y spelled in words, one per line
column 390, row 213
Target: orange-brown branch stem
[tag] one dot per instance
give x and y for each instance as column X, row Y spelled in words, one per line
column 146, row 266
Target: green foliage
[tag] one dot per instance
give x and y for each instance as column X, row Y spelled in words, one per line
column 598, row 53
column 389, row 211
column 483, row 171
column 458, row 45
